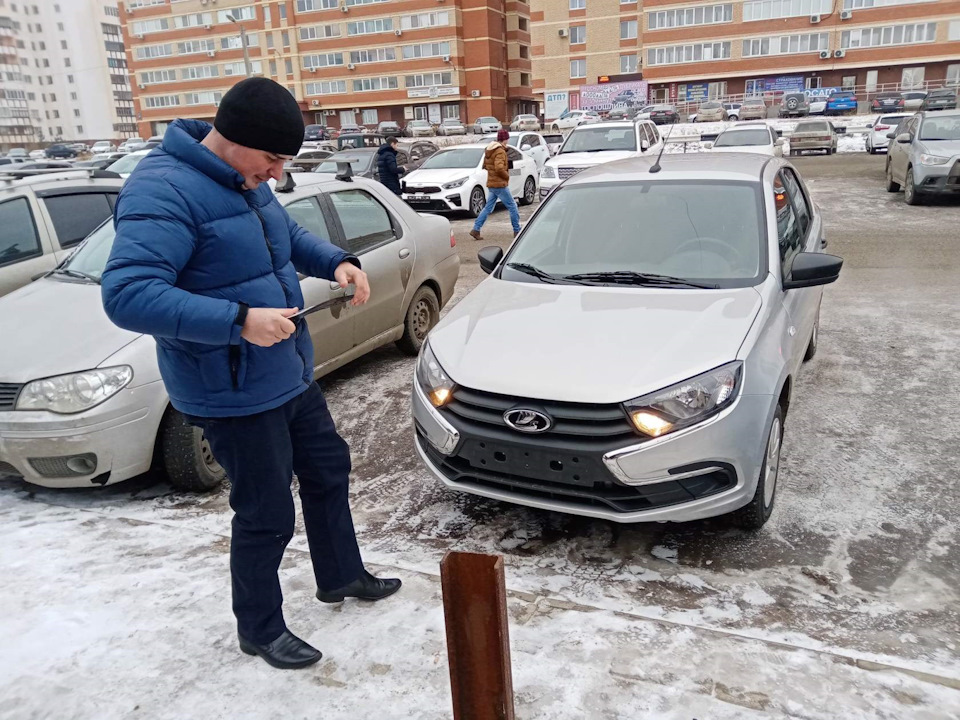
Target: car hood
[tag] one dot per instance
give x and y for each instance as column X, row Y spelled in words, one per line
column 943, row 148
column 437, row 176
column 589, row 344
column 589, row 159
column 52, row 328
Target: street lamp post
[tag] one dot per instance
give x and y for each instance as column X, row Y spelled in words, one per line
column 243, row 43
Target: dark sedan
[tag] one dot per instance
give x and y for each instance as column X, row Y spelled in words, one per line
column 315, row 132
column 60, row 151
column 940, row 100
column 664, row 114
column 887, row 102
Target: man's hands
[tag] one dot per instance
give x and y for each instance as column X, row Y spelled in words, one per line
column 349, row 274
column 268, row 326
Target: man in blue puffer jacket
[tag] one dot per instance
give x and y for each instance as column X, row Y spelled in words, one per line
column 205, row 260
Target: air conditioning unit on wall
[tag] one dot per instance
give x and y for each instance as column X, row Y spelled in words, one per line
column 824, row 54
column 562, row 32
column 814, row 19
column 474, row 93
column 839, row 53
column 398, row 32
column 315, row 103
column 846, row 14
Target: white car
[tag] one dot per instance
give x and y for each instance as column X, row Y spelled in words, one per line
column 590, row 145
column 526, row 122
column 818, row 107
column 454, row 179
column 758, row 138
column 451, row 126
column 877, row 139
column 913, row 99
column 81, row 400
column 38, row 154
column 131, row 144
column 125, row 165
column 529, row 143
column 484, row 125
column 102, row 146
column 574, row 118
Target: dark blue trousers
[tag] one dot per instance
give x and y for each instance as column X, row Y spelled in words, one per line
column 260, row 454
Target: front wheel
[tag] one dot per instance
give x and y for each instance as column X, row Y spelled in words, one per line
column 186, row 456
column 478, row 201
column 754, row 515
column 910, row 192
column 529, row 192
column 422, row 315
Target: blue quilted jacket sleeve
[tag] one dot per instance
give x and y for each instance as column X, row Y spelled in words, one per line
column 155, row 239
column 313, row 256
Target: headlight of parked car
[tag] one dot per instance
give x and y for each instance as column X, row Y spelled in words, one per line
column 454, row 183
column 933, row 160
column 432, row 378
column 76, row 392
column 686, row 403
column 548, row 172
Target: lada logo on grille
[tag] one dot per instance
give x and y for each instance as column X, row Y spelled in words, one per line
column 527, row 421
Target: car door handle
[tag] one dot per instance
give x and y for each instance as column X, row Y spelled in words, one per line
column 404, row 253
column 334, row 285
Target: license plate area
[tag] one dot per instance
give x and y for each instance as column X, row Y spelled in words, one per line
column 567, row 468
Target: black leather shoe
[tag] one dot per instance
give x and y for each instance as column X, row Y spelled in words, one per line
column 365, row 587
column 286, row 652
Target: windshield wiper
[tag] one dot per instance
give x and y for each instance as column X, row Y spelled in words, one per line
column 76, row 274
column 535, row 271
column 630, row 277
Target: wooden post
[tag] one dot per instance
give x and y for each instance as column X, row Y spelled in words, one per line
column 478, row 642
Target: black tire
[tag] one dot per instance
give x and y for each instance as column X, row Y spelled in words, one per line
column 891, row 185
column 476, row 207
column 910, row 192
column 529, row 192
column 422, row 314
column 814, row 339
column 755, row 514
column 186, row 456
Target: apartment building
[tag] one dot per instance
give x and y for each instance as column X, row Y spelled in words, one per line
column 345, row 61
column 63, row 73
column 697, row 50
column 585, row 52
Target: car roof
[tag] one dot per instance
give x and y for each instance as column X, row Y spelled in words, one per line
column 613, row 124
column 679, row 166
column 747, row 126
column 942, row 91
column 482, row 146
column 54, row 180
column 939, row 113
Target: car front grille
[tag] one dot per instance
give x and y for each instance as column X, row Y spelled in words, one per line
column 569, row 172
column 8, row 470
column 425, row 190
column 8, row 395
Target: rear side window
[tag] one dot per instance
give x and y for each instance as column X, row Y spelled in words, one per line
column 800, row 203
column 789, row 234
column 76, row 216
column 307, row 214
column 365, row 221
column 19, row 240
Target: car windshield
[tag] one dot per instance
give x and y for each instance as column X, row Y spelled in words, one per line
column 710, row 106
column 820, row 127
column 841, row 96
column 942, row 94
column 456, row 158
column 597, row 138
column 359, row 162
column 943, row 127
column 914, row 95
column 91, row 257
column 739, row 138
column 752, row 102
column 487, row 120
column 419, row 123
column 891, row 119
column 126, row 164
column 698, row 230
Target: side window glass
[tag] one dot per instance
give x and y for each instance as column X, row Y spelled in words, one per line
column 415, row 153
column 800, row 203
column 514, row 154
column 402, row 157
column 19, row 239
column 76, row 216
column 307, row 214
column 365, row 221
column 788, row 227
column 652, row 129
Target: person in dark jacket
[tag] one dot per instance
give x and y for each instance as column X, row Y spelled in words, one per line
column 387, row 167
column 205, row 260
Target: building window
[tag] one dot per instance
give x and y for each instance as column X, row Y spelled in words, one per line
column 428, row 79
column 375, row 83
column 112, row 11
column 160, row 76
column 269, row 41
column 867, row 4
column 327, row 87
column 148, row 52
column 578, row 68
column 370, row 116
column 199, row 72
column 288, row 66
column 66, row 62
column 282, row 9
column 383, row 54
column 234, row 43
column 578, row 4
column 191, row 47
column 239, row 13
column 363, row 2
column 676, row 54
column 524, row 25
column 237, row 68
column 326, row 60
column 890, row 35
column 954, row 30
column 203, row 98
column 145, row 27
column 76, row 113
column 193, row 20
column 370, row 27
column 319, row 32
column 311, row 5
column 73, row 96
column 159, row 101
column 423, row 20
column 772, row 9
column 786, row 44
column 953, row 76
column 266, row 14
column 628, row 30
column 273, row 68
column 69, row 79
column 628, row 64
column 437, row 49
column 703, row 15
column 578, row 34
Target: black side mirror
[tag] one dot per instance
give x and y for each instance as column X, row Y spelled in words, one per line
column 489, row 258
column 812, row 269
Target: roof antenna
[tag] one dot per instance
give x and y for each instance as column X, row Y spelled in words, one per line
column 655, row 168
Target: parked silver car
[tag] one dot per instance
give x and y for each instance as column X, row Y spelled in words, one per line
column 451, row 126
column 924, row 156
column 623, row 364
column 81, row 401
column 813, row 135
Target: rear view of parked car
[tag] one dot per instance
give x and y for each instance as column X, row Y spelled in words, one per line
column 887, row 102
column 664, row 115
column 753, row 109
column 793, row 105
column 944, row 99
column 877, row 139
column 913, row 99
column 451, row 126
column 842, row 103
column 813, row 135
column 711, row 111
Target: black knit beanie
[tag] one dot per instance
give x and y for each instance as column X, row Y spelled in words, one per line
column 259, row 113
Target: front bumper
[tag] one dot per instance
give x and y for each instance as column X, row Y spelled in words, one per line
column 443, row 201
column 937, row 179
column 547, row 185
column 801, row 144
column 117, row 437
column 704, row 471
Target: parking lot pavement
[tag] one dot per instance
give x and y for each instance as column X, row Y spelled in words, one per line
column 845, row 605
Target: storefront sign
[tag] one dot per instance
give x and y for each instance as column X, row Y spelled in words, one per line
column 821, row 93
column 607, row 96
column 784, row 83
column 432, row 92
column 556, row 104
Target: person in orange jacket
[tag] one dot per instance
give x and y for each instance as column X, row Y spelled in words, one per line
column 498, row 185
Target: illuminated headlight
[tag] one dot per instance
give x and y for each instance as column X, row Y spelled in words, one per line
column 74, row 393
column 548, row 172
column 455, row 183
column 933, row 160
column 686, row 403
column 432, row 378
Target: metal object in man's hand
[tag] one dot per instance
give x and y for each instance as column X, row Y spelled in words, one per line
column 333, row 302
